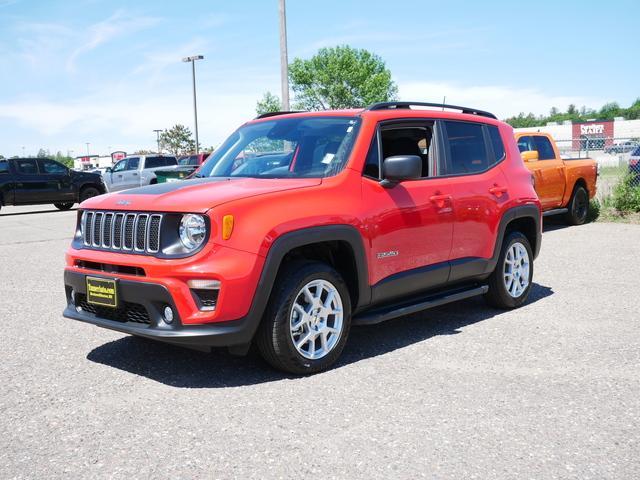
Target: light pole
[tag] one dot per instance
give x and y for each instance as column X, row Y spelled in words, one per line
column 88, row 148
column 158, row 138
column 284, row 61
column 193, row 59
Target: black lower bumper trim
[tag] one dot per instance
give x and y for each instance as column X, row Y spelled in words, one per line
column 154, row 298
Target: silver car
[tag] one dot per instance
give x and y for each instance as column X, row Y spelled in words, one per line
column 136, row 171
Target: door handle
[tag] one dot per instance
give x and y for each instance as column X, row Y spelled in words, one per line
column 135, row 174
column 498, row 191
column 440, row 200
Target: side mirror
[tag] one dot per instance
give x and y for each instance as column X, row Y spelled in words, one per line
column 107, row 170
column 530, row 156
column 400, row 168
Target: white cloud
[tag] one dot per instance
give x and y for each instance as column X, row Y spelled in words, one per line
column 118, row 24
column 503, row 101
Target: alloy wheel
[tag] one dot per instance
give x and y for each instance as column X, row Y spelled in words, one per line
column 316, row 319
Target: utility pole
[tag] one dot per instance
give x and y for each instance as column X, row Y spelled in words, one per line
column 158, row 138
column 88, row 148
column 193, row 59
column 284, row 60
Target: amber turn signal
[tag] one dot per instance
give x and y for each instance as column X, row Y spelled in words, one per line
column 227, row 227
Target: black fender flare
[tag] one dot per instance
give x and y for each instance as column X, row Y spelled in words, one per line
column 299, row 238
column 522, row 211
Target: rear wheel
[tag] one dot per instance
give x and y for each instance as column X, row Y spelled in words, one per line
column 87, row 193
column 510, row 282
column 63, row 206
column 308, row 319
column 578, row 207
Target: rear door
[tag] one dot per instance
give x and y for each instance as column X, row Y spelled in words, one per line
column 548, row 170
column 30, row 187
column 58, row 181
column 472, row 153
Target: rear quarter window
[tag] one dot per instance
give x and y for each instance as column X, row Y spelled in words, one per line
column 496, row 143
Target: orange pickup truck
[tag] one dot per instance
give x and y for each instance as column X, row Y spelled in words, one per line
column 564, row 185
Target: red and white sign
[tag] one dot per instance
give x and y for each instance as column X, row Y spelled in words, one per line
column 119, row 155
column 593, row 130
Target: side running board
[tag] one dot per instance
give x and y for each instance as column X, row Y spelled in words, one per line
column 383, row 314
column 555, row 211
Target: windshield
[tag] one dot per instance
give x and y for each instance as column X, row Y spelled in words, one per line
column 300, row 147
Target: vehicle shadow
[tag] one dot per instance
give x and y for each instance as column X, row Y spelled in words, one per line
column 13, row 214
column 179, row 367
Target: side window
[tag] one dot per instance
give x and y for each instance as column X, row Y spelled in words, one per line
column 132, row 163
column 154, row 162
column 496, row 143
column 372, row 163
column 544, row 148
column 409, row 140
column 4, row 166
column 525, row 144
column 52, row 168
column 120, row 166
column 27, row 167
column 467, row 148
column 170, row 161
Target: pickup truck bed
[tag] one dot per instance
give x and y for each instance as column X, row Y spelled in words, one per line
column 564, row 186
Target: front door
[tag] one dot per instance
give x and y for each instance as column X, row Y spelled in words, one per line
column 117, row 181
column 58, row 186
column 131, row 175
column 410, row 225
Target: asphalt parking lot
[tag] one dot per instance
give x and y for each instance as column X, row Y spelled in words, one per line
column 551, row 390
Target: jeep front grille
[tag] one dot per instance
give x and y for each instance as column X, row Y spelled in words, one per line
column 123, row 232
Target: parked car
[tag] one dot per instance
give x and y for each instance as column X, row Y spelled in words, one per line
column 136, row 171
column 34, row 181
column 186, row 166
column 622, row 147
column 564, row 185
column 353, row 217
column 634, row 166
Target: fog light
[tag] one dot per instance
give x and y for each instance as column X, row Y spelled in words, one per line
column 168, row 314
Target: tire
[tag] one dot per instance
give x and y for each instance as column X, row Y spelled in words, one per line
column 88, row 192
column 276, row 334
column 578, row 207
column 63, row 206
column 499, row 295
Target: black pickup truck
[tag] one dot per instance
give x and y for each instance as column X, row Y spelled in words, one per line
column 31, row 181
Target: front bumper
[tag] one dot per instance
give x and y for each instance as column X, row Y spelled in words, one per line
column 153, row 298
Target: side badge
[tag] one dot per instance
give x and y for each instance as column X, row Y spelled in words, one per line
column 391, row 253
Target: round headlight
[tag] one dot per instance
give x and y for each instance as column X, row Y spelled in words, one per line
column 193, row 231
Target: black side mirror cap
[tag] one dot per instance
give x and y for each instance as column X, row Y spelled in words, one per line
column 399, row 168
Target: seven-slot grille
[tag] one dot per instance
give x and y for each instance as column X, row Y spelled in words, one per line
column 125, row 232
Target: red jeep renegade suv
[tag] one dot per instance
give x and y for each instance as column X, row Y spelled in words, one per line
column 301, row 225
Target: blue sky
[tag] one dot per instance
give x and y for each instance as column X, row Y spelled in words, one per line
column 109, row 72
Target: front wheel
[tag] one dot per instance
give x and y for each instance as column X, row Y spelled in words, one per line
column 578, row 207
column 87, row 193
column 307, row 323
column 510, row 282
column 63, row 206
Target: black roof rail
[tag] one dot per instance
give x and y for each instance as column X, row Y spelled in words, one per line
column 274, row 114
column 391, row 105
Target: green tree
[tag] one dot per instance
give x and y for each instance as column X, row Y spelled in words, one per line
column 143, row 152
column 177, row 140
column 341, row 77
column 42, row 153
column 268, row 103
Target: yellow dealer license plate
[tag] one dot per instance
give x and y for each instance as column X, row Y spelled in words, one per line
column 103, row 292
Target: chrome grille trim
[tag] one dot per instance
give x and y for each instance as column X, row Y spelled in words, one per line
column 121, row 231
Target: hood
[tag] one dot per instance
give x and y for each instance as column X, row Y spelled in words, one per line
column 197, row 195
